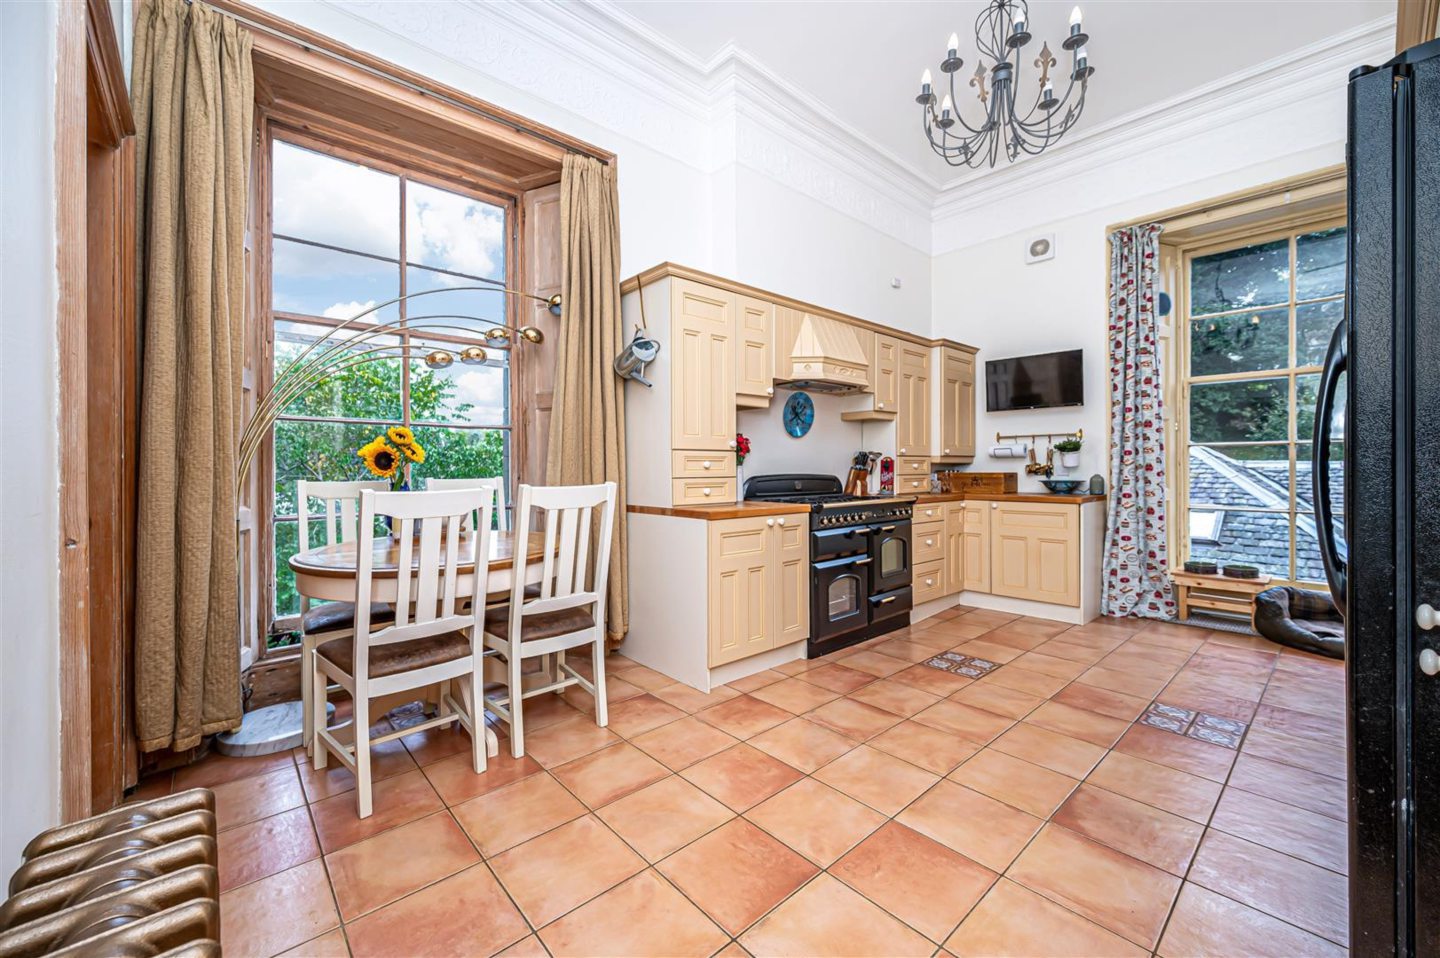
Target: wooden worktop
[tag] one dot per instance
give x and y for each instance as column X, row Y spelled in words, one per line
column 1070, row 498
column 729, row 510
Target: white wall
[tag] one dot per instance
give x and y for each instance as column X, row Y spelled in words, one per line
column 29, row 510
column 827, row 448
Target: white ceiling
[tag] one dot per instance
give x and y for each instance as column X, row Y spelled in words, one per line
column 860, row 60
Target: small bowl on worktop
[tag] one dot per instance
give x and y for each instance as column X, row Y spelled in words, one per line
column 1062, row 486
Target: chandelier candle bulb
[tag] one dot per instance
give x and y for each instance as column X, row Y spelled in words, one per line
column 952, row 48
column 1077, row 35
column 926, row 97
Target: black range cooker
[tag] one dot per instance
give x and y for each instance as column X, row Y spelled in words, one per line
column 860, row 557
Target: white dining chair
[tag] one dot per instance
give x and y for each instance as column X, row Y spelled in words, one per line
column 430, row 642
column 497, row 483
column 339, row 509
column 569, row 611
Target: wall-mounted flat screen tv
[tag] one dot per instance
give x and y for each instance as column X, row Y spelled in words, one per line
column 1035, row 382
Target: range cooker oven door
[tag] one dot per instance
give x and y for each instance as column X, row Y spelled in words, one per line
column 840, row 601
column 890, row 546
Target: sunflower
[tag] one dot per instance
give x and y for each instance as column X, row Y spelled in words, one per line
column 400, row 436
column 380, row 459
column 414, row 452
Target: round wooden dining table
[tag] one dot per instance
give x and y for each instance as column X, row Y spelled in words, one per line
column 329, row 572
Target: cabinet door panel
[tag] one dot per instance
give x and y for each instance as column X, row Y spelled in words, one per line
column 755, row 344
column 792, row 567
column 957, row 405
column 954, row 548
column 1009, row 564
column 887, row 357
column 1040, row 556
column 702, row 372
column 977, row 547
column 741, row 564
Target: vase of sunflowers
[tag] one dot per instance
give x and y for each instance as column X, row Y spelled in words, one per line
column 387, row 455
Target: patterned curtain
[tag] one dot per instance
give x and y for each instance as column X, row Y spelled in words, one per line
column 1136, row 575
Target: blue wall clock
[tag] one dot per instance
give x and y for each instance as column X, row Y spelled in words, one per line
column 799, row 414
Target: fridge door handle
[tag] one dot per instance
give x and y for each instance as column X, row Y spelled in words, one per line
column 1336, row 359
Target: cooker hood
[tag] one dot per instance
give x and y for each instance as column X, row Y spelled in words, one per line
column 826, row 357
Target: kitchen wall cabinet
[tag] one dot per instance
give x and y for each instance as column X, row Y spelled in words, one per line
column 754, row 351
column 912, row 422
column 975, row 558
column 702, row 364
column 759, row 586
column 1035, row 551
column 954, row 571
column 879, row 402
column 957, row 406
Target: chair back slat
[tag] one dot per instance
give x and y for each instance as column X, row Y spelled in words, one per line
column 496, row 483
column 339, row 508
column 428, row 590
column 576, row 520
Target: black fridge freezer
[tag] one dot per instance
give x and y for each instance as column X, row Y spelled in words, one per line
column 1380, row 540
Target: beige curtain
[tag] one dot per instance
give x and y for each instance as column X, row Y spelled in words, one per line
column 587, row 424
column 193, row 96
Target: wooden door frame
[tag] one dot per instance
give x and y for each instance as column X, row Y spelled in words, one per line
column 1415, row 22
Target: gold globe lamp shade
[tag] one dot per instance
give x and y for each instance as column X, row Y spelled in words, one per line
column 474, row 355
column 531, row 334
column 439, row 359
column 497, row 334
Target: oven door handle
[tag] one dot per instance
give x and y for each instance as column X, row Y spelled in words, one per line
column 886, row 601
column 887, row 528
column 865, row 561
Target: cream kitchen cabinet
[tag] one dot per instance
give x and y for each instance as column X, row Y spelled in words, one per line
column 880, row 399
column 702, row 367
column 759, row 578
column 1035, row 551
column 912, row 423
column 754, row 351
column 975, row 556
column 957, row 406
column 954, row 570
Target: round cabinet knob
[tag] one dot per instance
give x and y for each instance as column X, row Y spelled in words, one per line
column 705, row 464
column 879, row 405
column 782, row 520
column 732, row 443
column 1426, row 617
column 947, row 452
column 929, row 542
column 902, row 452
column 1429, row 662
column 994, row 505
column 929, row 581
column 705, row 491
column 770, row 390
column 769, row 522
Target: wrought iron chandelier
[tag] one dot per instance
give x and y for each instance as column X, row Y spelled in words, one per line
column 1001, row 32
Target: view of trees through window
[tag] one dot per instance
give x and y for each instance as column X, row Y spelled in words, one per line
column 1260, row 317
column 346, row 238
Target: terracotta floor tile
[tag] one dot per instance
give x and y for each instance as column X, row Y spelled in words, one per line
column 643, row 916
column 874, row 663
column 1122, row 681
column 1021, row 640
column 258, row 796
column 736, row 873
column 391, row 865
column 1177, row 751
column 1294, row 750
column 923, row 746
column 332, row 944
column 1204, row 697
column 266, row 847
column 1078, row 723
column 741, row 777
column 268, row 916
column 465, row 914
column 1302, row 834
column 1117, row 705
column 613, row 772
column 1080, row 652
column 1024, row 680
column 396, row 801
column 794, row 696
column 882, row 781
column 827, row 918
column 216, row 769
column 455, row 780
column 916, row 879
column 908, row 650
column 934, row 681
column 752, row 682
column 545, row 710
column 1204, row 924
column 1324, row 730
column 999, row 699
column 897, row 698
column 1134, row 828
column 686, row 699
column 1030, row 788
column 646, row 678
column 683, row 743
column 1014, row 922
column 854, row 720
column 387, row 761
column 564, row 741
column 803, row 744
column 1169, row 789
column 983, row 648
column 527, row 947
column 815, row 820
column 635, row 716
column 977, row 826
column 1302, row 894
column 1294, row 786
column 1059, row 753
column 796, row 666
column 744, row 716
column 1049, row 665
column 552, row 874
column 970, row 723
column 837, row 678
column 617, row 690
column 660, row 818
column 518, row 812
column 1126, row 896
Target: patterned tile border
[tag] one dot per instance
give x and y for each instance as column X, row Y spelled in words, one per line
column 959, row 664
column 1224, row 732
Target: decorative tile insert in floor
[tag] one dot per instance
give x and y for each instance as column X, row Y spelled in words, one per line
column 1061, row 803
column 1215, row 729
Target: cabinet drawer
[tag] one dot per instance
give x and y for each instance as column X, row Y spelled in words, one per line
column 700, row 492
column 929, row 581
column 912, row 486
column 929, row 540
column 932, row 512
column 912, row 466
column 702, row 464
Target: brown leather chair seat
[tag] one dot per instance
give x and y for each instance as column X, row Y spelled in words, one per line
column 333, row 616
column 398, row 656
column 546, row 625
